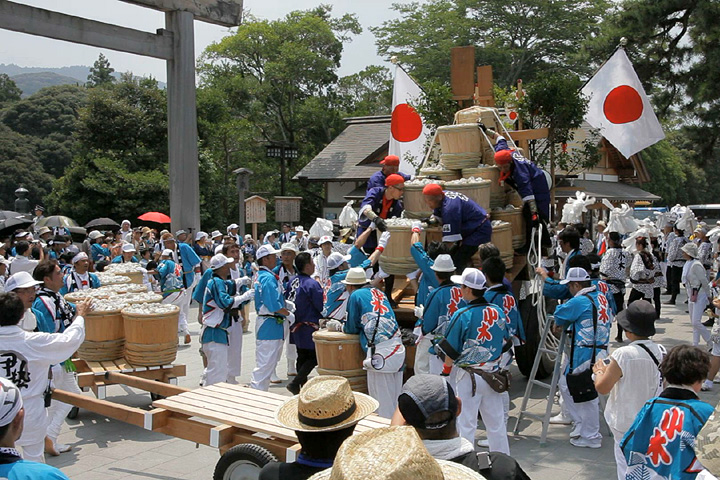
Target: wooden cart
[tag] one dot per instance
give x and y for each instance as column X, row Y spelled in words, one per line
column 237, row 420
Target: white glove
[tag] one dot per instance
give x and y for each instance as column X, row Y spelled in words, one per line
column 419, row 311
column 290, row 318
column 334, row 326
column 417, row 226
column 290, row 306
column 243, row 281
column 245, row 297
column 372, row 226
column 384, row 238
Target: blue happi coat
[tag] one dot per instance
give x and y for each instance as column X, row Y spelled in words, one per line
column 463, row 219
column 500, row 296
column 219, row 295
column 307, row 294
column 378, row 179
column 554, row 289
column 441, row 304
column 98, row 252
column 189, row 260
column 428, row 280
column 336, row 296
column 366, row 308
column 268, row 300
column 475, row 336
column 374, row 198
column 576, row 315
column 662, row 438
column 528, row 179
column 71, row 282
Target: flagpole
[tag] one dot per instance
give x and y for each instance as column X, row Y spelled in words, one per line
column 394, row 61
column 621, row 45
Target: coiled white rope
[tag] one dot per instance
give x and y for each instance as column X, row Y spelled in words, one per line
column 534, row 259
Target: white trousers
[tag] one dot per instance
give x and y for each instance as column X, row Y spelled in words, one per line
column 217, row 363
column 267, row 355
column 385, row 388
column 586, row 415
column 235, row 334
column 436, row 368
column 58, row 411
column 490, row 405
column 696, row 310
column 182, row 299
column 290, row 351
column 32, row 440
column 422, row 356
column 619, row 456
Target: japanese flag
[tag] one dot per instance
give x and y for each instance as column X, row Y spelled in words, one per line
column 619, row 108
column 407, row 128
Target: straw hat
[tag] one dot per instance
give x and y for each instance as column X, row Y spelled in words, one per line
column 707, row 448
column 390, row 453
column 355, row 276
column 325, row 403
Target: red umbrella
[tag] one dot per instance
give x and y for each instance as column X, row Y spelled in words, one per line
column 156, row 217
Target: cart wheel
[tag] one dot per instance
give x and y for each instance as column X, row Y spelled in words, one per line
column 243, row 462
column 155, row 396
column 73, row 414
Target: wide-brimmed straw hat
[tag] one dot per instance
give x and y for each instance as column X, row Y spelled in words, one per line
column 355, row 276
column 707, row 448
column 391, row 453
column 691, row 249
column 325, row 403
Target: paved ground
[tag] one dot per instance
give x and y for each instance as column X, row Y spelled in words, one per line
column 113, row 450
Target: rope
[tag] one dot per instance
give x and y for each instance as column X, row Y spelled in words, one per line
column 534, row 259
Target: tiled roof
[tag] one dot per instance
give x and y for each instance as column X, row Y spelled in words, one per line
column 354, row 155
column 613, row 191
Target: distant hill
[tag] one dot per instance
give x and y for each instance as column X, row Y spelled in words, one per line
column 30, row 83
column 35, row 78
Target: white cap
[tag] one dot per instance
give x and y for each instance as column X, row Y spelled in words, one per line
column 21, row 234
column 215, row 234
column 10, row 401
column 20, row 280
column 231, row 226
column 166, row 253
column 471, row 277
column 219, row 261
column 325, row 239
column 355, row 276
column 248, row 236
column 264, row 251
column 200, row 235
column 78, row 257
column 336, row 259
column 218, row 249
column 576, row 274
column 443, row 263
column 124, row 222
column 289, row 247
column 4, row 261
column 128, row 248
column 94, row 235
column 299, row 228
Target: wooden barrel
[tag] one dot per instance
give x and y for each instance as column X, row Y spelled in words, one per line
column 461, row 146
column 478, row 191
column 433, row 234
column 396, row 259
column 492, row 173
column 340, row 354
column 79, row 295
column 517, row 222
column 133, row 298
column 151, row 339
column 502, row 239
column 442, row 175
column 414, row 202
column 104, row 337
column 472, row 114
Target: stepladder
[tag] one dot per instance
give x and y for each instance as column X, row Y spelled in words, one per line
column 545, row 347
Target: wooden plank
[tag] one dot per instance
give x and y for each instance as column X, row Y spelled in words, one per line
column 45, row 23
column 187, row 429
column 96, row 367
column 81, row 365
column 248, row 401
column 156, row 418
column 485, row 94
column 222, row 435
column 242, row 408
column 462, row 71
column 277, row 446
column 227, row 13
column 131, row 415
column 155, row 387
column 178, row 405
column 519, row 135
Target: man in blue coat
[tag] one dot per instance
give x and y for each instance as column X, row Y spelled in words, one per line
column 390, row 166
column 379, row 204
column 79, row 278
column 587, row 317
column 189, row 262
column 465, row 224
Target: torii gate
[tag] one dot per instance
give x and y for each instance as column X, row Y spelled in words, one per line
column 176, row 44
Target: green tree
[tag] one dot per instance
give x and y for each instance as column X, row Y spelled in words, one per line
column 366, row 93
column 9, row 91
column 101, row 73
column 120, row 168
column 20, row 167
column 49, row 119
column 519, row 38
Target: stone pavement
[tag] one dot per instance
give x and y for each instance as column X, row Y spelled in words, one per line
column 110, row 449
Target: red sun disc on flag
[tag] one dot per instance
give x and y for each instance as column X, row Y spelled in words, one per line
column 623, row 105
column 512, row 115
column 406, row 124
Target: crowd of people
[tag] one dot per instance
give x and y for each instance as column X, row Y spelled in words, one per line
column 467, row 328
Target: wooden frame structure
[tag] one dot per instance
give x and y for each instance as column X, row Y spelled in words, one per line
column 175, row 44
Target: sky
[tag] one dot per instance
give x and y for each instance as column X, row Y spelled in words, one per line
column 32, row 51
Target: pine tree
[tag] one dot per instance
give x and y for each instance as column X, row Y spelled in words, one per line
column 100, row 73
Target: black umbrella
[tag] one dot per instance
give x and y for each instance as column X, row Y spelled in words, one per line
column 9, row 225
column 103, row 224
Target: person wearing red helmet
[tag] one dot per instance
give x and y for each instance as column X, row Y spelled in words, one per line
column 390, row 166
column 465, row 224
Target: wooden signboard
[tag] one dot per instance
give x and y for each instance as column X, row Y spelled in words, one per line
column 256, row 209
column 287, row 209
column 462, row 72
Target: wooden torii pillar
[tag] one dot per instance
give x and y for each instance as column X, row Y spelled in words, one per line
column 176, row 44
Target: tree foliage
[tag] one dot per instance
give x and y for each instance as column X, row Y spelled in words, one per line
column 101, row 73
column 20, row 168
column 9, row 91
